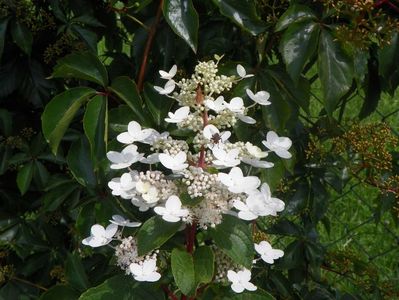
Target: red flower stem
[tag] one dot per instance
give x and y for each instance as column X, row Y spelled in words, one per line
column 169, row 293
column 190, row 237
column 148, row 44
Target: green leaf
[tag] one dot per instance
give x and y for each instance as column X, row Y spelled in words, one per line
column 183, row 271
column 95, row 124
column 126, row 89
column 235, row 239
column 298, row 44
column 59, row 113
column 24, row 177
column 22, row 36
column 294, row 14
column 123, row 287
column 243, row 13
column 58, row 195
column 388, row 57
column 158, row 105
column 183, row 19
column 89, row 37
column 204, row 263
column 83, row 65
column 372, row 90
column 3, row 30
column 335, row 70
column 80, row 163
column 60, row 292
column 75, row 273
column 154, row 233
column 256, row 295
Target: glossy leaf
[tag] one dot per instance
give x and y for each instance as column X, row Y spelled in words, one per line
column 183, row 19
column 3, row 30
column 83, row 65
column 235, row 239
column 75, row 273
column 154, row 233
column 294, row 14
column 243, row 13
column 388, row 57
column 22, row 36
column 372, row 90
column 24, row 177
column 59, row 113
column 183, row 271
column 204, row 263
column 335, row 71
column 60, row 292
column 256, row 295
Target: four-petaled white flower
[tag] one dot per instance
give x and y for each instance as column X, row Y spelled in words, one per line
column 142, row 205
column 225, row 159
column 167, row 89
column 179, row 115
column 215, row 137
column 236, row 182
column 267, row 253
column 255, row 151
column 274, row 205
column 236, row 105
column 121, row 221
column 216, row 105
column 240, row 280
column 124, row 159
column 242, row 73
column 145, row 271
column 150, row 159
column 134, row 133
column 260, row 97
column 172, row 212
column 176, row 162
column 100, row 236
column 123, row 186
column 278, row 145
column 148, row 192
column 168, row 75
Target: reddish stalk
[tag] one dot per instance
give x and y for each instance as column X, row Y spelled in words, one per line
column 148, row 44
column 169, row 292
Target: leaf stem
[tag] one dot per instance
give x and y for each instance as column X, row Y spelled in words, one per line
column 29, row 283
column 169, row 292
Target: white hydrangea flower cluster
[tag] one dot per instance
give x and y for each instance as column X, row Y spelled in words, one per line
column 197, row 180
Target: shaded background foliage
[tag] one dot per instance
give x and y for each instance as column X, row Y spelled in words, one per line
column 331, row 69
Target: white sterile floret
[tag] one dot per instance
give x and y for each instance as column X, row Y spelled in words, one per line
column 142, row 205
column 267, row 253
column 216, row 137
column 246, row 119
column 124, row 159
column 155, row 136
column 145, row 271
column 255, row 151
column 149, row 193
column 225, row 159
column 278, row 145
column 172, row 212
column 179, row 115
column 216, row 105
column 236, row 182
column 168, row 75
column 121, row 221
column 100, row 236
column 167, row 89
column 236, row 105
column 240, row 280
column 260, row 97
column 150, row 159
column 257, row 163
column 134, row 133
column 123, row 186
column 176, row 162
column 242, row 73
column 274, row 205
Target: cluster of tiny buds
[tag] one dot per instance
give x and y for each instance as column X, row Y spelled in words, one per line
column 192, row 122
column 223, row 264
column 198, row 183
column 170, row 146
column 126, row 253
column 225, row 119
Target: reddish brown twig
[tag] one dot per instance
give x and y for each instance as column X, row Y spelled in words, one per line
column 148, row 44
column 169, row 292
column 190, row 237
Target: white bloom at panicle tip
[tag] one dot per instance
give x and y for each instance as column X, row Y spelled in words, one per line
column 167, row 89
column 134, row 133
column 278, row 145
column 179, row 115
column 216, row 105
column 260, row 97
column 225, row 159
column 240, row 280
column 174, row 163
column 168, row 75
column 145, row 271
column 124, row 159
column 236, row 105
column 121, row 221
column 100, row 236
column 242, row 73
column 172, row 212
column 237, row 183
column 267, row 253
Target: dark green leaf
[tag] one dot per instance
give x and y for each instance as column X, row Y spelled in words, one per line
column 24, row 177
column 388, row 56
column 204, row 263
column 243, row 13
column 59, row 113
column 154, row 233
column 335, row 70
column 75, row 273
column 235, row 239
column 60, row 292
column 3, row 30
column 88, row 36
column 294, row 14
column 183, row 271
column 298, row 44
column 183, row 19
column 286, row 227
column 22, row 36
column 56, row 196
column 95, row 124
column 256, row 295
column 83, row 65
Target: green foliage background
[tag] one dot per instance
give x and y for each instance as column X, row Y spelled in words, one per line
column 70, row 81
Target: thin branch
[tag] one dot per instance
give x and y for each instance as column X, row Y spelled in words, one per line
column 29, row 283
column 169, row 292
